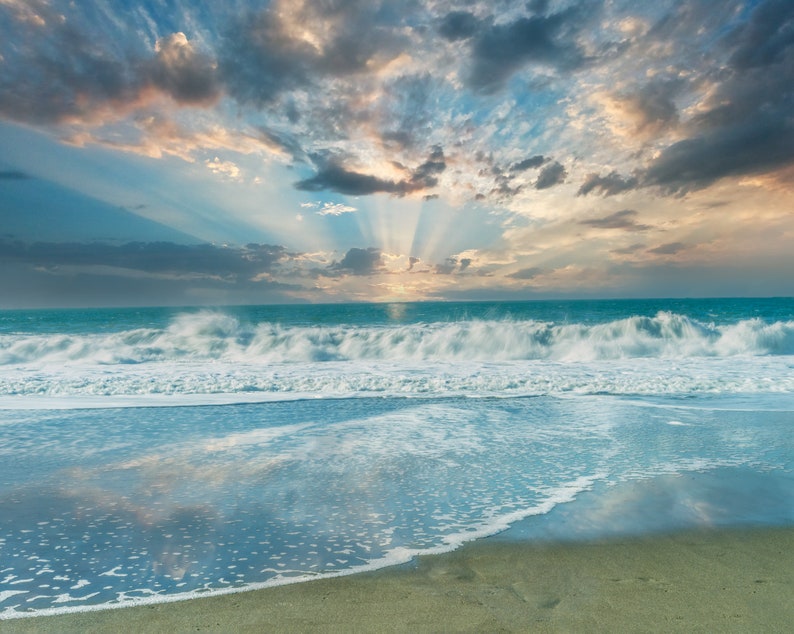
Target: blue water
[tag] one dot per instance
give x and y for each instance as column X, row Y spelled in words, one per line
column 157, row 454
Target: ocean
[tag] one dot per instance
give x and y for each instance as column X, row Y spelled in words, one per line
column 159, row 454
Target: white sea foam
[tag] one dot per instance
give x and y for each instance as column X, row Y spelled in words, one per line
column 217, row 337
column 225, row 499
column 263, row 496
column 563, row 494
column 165, row 384
column 209, row 357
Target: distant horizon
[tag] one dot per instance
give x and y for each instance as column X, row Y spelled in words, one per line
column 292, row 151
column 385, row 302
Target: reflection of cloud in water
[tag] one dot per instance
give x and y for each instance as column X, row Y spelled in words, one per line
column 203, row 467
column 697, row 499
column 78, row 538
column 222, row 496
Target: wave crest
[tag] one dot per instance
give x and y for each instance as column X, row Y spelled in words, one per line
column 215, row 336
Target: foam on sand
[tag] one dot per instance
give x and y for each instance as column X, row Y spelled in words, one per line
column 730, row 581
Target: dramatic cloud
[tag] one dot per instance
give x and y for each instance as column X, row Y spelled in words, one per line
column 69, row 74
column 65, row 72
column 625, row 220
column 453, row 264
column 212, row 121
column 551, row 175
column 405, row 115
column 360, row 262
column 182, row 72
column 745, row 126
column 425, row 176
column 499, row 50
column 447, row 267
column 292, row 44
column 747, row 149
column 458, row 25
column 538, row 6
column 608, row 185
column 768, row 37
column 644, row 111
column 528, row 163
column 203, row 260
column 334, row 177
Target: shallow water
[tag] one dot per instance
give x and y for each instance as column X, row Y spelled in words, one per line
column 128, row 479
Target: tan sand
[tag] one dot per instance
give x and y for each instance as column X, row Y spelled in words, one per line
column 727, row 581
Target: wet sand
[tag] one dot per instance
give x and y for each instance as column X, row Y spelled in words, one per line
column 702, row 581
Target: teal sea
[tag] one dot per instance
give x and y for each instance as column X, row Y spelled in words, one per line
column 157, row 454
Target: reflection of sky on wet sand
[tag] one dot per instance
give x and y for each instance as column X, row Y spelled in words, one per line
column 694, row 499
column 177, row 499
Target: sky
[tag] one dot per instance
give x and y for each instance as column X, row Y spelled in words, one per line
column 168, row 152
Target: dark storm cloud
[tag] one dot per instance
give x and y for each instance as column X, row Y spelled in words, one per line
column 425, row 176
column 766, row 39
column 258, row 62
column 46, row 76
column 359, row 262
column 262, row 57
column 651, row 105
column 625, row 219
column 301, row 64
column 336, row 178
column 37, row 288
column 529, row 163
column 332, row 176
column 287, row 143
column 538, row 6
column 609, row 185
column 182, row 72
column 551, row 175
column 671, row 248
column 408, row 112
column 695, row 163
column 150, row 257
column 748, row 127
column 500, row 49
column 458, row 25
column 447, row 267
column 55, row 67
column 508, row 181
column 452, row 265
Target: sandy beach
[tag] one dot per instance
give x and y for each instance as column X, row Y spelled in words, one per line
column 703, row 581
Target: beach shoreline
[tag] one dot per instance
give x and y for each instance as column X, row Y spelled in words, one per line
column 731, row 580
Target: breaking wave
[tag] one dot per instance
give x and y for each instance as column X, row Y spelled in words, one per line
column 213, row 336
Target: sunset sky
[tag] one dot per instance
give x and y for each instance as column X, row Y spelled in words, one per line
column 175, row 152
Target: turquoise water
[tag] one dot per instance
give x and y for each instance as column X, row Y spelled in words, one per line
column 156, row 454
column 721, row 311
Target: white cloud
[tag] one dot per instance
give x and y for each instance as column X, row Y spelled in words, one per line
column 335, row 209
column 227, row 169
